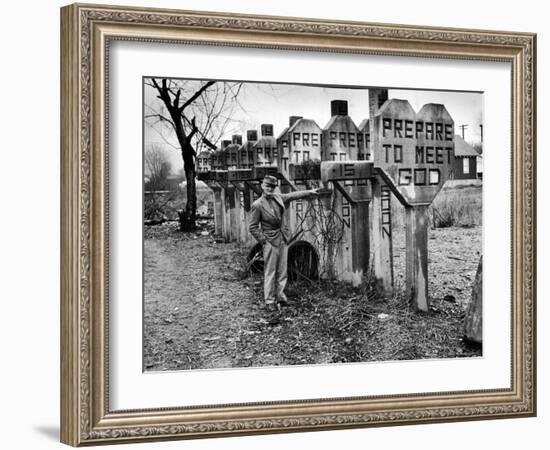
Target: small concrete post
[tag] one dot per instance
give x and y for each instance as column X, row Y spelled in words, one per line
column 360, row 239
column 233, row 234
column 237, row 214
column 225, row 215
column 242, row 201
column 218, row 212
column 417, row 256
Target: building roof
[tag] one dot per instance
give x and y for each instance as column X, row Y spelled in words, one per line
column 462, row 148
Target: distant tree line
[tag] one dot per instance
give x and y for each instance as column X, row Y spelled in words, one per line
column 157, row 168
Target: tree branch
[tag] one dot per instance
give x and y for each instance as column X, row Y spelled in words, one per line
column 194, row 129
column 196, row 95
column 160, row 116
column 161, row 119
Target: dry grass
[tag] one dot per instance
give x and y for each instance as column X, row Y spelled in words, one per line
column 453, row 207
column 166, row 205
column 457, row 207
column 331, row 322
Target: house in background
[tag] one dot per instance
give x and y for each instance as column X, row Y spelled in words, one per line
column 465, row 163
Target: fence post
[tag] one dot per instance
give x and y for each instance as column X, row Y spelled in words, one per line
column 417, row 256
column 381, row 236
column 218, row 212
column 381, row 246
column 360, row 238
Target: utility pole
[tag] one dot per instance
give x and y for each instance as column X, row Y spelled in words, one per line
column 481, row 128
column 463, row 127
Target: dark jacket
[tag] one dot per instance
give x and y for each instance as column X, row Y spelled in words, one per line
column 273, row 224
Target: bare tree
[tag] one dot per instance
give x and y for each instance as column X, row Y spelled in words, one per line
column 197, row 114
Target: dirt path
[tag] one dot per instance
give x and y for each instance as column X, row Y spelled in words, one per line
column 195, row 312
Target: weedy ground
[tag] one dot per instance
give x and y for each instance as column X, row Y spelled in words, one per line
column 202, row 308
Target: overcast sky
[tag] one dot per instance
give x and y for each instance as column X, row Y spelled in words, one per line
column 274, row 103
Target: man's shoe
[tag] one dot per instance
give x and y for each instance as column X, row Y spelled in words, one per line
column 273, row 315
column 283, row 301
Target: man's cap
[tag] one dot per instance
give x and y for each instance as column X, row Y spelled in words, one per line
column 270, row 179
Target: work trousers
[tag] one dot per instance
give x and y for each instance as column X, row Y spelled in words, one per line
column 275, row 271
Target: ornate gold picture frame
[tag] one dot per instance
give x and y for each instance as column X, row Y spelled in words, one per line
column 87, row 32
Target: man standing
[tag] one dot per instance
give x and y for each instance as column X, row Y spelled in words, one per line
column 267, row 225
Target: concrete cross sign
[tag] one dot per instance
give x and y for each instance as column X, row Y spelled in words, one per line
column 415, row 153
column 416, row 150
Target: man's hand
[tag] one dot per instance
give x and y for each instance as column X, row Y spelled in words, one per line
column 314, row 192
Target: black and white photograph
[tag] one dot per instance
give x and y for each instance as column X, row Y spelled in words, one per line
column 266, row 225
column 292, row 224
